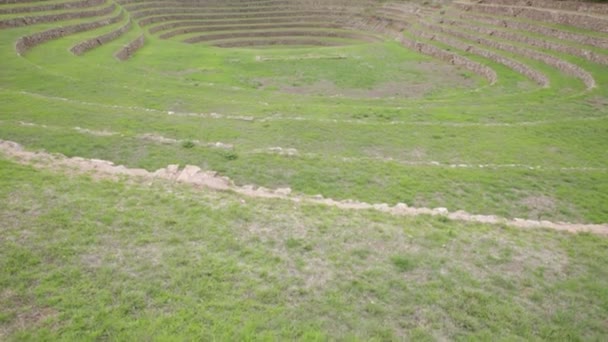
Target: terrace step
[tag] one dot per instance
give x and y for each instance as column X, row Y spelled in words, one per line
column 577, row 19
column 25, row 43
column 92, row 43
column 534, row 75
column 510, row 23
column 165, row 26
column 205, row 28
column 575, row 6
column 261, row 42
column 283, row 34
column 535, row 42
column 452, row 58
column 48, row 18
column 200, row 15
column 198, row 18
column 52, row 7
column 9, row 2
column 566, row 67
column 129, row 49
column 222, row 8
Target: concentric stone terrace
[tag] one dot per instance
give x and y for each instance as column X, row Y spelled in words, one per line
column 369, row 100
column 254, row 23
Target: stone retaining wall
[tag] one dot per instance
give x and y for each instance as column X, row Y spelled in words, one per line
column 128, row 50
column 92, row 43
column 202, row 28
column 284, row 34
column 563, row 66
column 565, row 18
column 543, row 44
column 578, row 6
column 171, row 21
column 218, row 16
column 8, row 2
column 209, row 7
column 548, row 31
column 275, row 41
column 451, row 58
column 521, row 68
column 25, row 43
column 25, row 21
column 52, row 7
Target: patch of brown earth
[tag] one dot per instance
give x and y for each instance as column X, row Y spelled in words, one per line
column 445, row 73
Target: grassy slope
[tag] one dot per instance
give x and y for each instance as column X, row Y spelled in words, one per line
column 82, row 259
column 168, row 76
column 85, row 259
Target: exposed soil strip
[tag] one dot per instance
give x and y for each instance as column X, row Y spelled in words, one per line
column 195, row 176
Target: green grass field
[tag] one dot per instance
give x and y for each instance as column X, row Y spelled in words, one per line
column 86, row 259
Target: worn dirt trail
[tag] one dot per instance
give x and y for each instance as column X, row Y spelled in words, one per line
column 195, row 176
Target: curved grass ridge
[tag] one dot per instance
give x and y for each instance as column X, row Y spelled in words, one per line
column 25, row 43
column 536, row 76
column 451, row 58
column 8, row 2
column 53, row 7
column 278, row 41
column 564, row 66
column 205, row 28
column 49, row 18
column 261, row 23
column 171, row 21
column 283, row 33
column 576, row 6
column 575, row 19
column 542, row 44
column 92, row 43
column 539, row 29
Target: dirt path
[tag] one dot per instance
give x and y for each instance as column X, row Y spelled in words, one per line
column 209, row 179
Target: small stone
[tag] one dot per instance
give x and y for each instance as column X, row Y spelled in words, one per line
column 441, row 211
column 283, row 191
